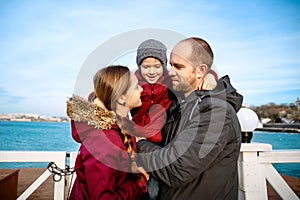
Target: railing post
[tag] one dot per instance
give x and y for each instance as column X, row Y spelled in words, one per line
column 73, row 156
column 59, row 187
column 252, row 183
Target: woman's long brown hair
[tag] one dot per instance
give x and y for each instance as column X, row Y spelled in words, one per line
column 109, row 84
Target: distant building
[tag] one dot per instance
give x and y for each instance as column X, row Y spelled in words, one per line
column 31, row 118
column 265, row 120
column 20, row 120
column 298, row 104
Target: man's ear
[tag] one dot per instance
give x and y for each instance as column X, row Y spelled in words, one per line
column 201, row 70
column 122, row 100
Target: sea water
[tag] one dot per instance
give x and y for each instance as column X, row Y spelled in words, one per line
column 56, row 136
column 281, row 140
column 35, row 136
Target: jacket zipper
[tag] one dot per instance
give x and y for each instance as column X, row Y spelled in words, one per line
column 152, row 93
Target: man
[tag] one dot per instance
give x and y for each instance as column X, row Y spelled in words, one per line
column 202, row 135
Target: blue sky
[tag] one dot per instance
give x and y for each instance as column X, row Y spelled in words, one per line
column 45, row 43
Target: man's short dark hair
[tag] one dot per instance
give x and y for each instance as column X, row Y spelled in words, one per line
column 201, row 51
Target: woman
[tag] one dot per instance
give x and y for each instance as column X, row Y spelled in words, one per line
column 105, row 166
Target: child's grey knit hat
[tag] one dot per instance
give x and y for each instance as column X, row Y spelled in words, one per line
column 151, row 48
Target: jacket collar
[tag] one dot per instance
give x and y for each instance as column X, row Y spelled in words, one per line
column 81, row 110
column 224, row 90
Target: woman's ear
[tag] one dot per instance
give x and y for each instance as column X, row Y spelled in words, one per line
column 122, row 100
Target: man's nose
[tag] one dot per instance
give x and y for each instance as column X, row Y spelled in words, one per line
column 172, row 72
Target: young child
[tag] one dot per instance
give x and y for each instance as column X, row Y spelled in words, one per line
column 152, row 75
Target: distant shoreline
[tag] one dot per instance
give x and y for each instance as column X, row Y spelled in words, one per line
column 287, row 130
column 24, row 120
column 280, row 127
column 31, row 118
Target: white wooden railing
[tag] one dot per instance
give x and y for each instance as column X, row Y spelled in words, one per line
column 256, row 169
column 254, row 164
column 58, row 157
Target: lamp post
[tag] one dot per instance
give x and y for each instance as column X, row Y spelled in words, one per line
column 248, row 120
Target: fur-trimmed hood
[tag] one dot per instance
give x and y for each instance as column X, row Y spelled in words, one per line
column 81, row 110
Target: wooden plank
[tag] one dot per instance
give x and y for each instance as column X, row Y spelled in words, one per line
column 278, row 183
column 280, row 156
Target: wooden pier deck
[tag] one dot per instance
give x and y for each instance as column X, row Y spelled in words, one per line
column 46, row 190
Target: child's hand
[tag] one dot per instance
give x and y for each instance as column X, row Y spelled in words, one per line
column 141, row 169
column 136, row 169
column 209, row 82
column 139, row 138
